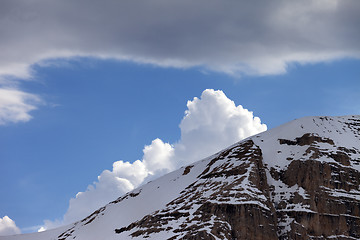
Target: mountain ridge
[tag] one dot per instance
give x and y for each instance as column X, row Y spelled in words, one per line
column 297, row 181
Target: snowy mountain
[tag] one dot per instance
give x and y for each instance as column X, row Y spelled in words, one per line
column 297, row 181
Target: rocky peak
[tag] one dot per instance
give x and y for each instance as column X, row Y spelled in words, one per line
column 306, row 186
column 298, row 181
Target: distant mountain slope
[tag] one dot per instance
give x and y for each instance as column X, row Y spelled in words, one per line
column 298, row 181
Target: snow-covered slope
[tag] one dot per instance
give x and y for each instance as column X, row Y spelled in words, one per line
column 297, row 181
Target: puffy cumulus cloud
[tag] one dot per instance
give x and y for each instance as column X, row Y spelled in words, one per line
column 15, row 105
column 158, row 157
column 8, row 227
column 211, row 123
column 125, row 176
column 237, row 37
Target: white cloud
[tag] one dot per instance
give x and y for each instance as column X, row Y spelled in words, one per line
column 158, row 158
column 211, row 123
column 8, row 227
column 15, row 105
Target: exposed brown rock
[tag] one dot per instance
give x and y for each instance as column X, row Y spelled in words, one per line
column 253, row 220
column 187, row 169
column 328, row 214
column 247, row 221
column 306, row 139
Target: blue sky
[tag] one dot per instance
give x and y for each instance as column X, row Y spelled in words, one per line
column 98, row 112
column 96, row 104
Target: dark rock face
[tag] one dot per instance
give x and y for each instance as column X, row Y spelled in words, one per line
column 254, row 220
column 328, row 214
column 306, row 139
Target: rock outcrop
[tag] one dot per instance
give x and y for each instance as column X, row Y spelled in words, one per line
column 313, row 192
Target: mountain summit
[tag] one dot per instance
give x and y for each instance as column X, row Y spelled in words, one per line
column 297, row 181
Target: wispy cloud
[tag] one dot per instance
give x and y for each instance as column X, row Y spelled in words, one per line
column 16, row 105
